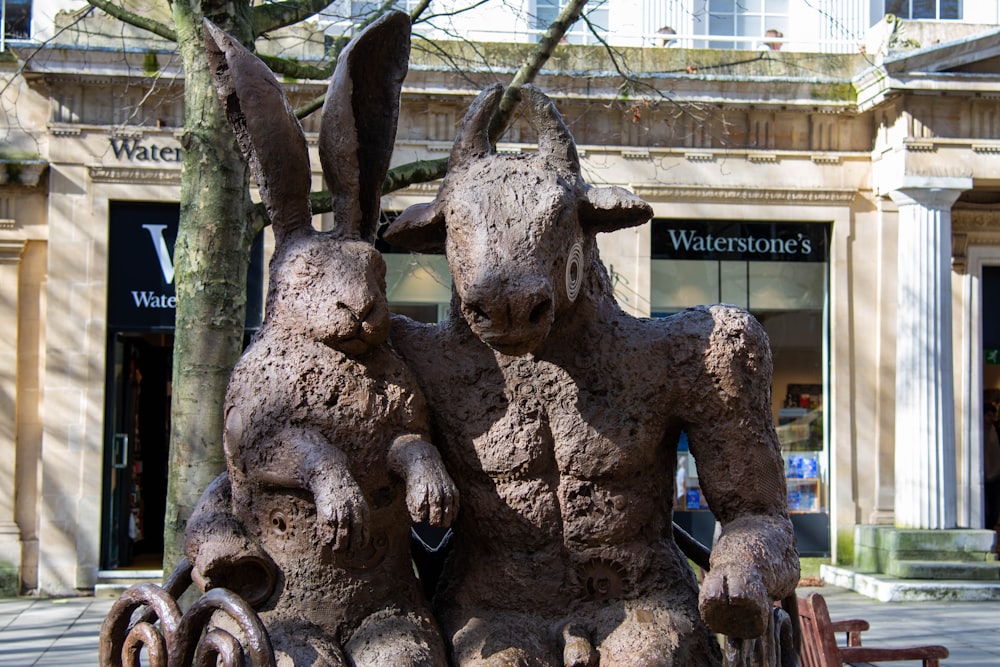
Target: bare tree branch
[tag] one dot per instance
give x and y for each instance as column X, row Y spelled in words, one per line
column 529, row 70
column 126, row 16
column 420, row 171
column 296, row 70
column 274, row 15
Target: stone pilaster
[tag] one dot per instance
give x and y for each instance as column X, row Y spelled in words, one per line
column 10, row 534
column 925, row 406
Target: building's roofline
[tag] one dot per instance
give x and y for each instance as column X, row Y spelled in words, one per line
column 946, row 55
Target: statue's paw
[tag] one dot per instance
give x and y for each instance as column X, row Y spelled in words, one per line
column 432, row 497
column 343, row 525
column 735, row 604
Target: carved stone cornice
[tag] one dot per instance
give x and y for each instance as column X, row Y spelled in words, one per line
column 103, row 174
column 822, row 196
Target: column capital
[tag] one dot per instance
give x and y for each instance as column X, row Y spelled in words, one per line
column 936, row 192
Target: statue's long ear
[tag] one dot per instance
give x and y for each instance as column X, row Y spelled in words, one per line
column 606, row 209
column 269, row 135
column 420, row 228
column 358, row 127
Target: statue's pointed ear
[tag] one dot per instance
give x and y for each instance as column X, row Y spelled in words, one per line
column 420, row 228
column 607, row 209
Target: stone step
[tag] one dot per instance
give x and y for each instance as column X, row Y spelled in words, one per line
column 877, row 547
column 884, row 588
column 935, row 569
column 112, row 583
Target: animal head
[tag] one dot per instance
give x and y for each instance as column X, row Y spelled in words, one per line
column 519, row 230
column 328, row 286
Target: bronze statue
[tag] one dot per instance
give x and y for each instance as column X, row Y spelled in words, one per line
column 327, row 434
column 558, row 415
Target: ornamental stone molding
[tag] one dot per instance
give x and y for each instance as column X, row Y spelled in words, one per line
column 420, row 189
column 102, row 174
column 973, row 220
column 971, row 228
column 819, row 196
column 10, row 250
column 635, row 153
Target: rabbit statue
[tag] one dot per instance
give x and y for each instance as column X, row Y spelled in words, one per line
column 326, row 432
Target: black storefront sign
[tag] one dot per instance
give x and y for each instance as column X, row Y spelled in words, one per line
column 141, row 294
column 748, row 241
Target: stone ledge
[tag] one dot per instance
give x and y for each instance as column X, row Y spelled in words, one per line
column 938, row 570
column 112, row 583
column 884, row 588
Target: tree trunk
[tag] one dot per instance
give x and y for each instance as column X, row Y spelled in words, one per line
column 211, row 259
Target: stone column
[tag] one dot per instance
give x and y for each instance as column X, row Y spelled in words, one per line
column 925, row 406
column 10, row 535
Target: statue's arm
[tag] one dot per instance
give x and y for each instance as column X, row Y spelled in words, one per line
column 305, row 459
column 731, row 434
column 431, row 494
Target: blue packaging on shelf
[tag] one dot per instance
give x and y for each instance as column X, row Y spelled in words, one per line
column 794, row 500
column 795, row 466
column 810, row 467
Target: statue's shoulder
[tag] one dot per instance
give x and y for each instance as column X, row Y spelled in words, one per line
column 406, row 332
column 706, row 332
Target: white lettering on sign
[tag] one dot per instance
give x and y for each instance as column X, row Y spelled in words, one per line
column 690, row 240
column 153, row 300
column 161, row 250
column 131, row 149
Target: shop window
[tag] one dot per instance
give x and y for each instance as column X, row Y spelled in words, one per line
column 925, row 9
column 777, row 271
column 418, row 285
column 17, row 19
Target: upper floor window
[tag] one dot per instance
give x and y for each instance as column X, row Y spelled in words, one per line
column 925, row 9
column 748, row 18
column 597, row 14
column 17, row 19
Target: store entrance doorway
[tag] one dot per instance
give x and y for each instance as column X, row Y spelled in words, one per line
column 136, row 451
column 991, row 383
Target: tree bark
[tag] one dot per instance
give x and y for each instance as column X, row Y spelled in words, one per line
column 211, row 259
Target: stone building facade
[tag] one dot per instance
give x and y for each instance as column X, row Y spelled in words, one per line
column 849, row 199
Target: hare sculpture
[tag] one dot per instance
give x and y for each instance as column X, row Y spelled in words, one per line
column 326, row 433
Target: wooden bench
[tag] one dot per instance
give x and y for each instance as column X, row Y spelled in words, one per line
column 819, row 642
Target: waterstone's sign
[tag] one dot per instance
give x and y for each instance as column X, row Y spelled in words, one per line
column 135, row 150
column 726, row 240
column 141, row 294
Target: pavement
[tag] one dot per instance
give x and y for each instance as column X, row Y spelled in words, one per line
column 43, row 632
